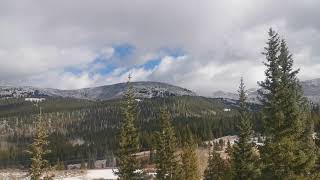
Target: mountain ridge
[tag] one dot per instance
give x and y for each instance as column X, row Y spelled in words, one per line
column 311, row 89
column 143, row 89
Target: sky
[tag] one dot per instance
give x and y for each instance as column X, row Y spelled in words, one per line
column 204, row 45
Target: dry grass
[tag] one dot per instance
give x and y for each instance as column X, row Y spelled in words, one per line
column 202, row 154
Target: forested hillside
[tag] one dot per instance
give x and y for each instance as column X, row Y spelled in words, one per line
column 82, row 129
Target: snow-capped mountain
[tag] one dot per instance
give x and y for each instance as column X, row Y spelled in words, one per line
column 142, row 90
column 225, row 95
column 311, row 89
column 252, row 95
column 24, row 91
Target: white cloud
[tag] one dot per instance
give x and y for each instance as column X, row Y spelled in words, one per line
column 28, row 61
column 222, row 40
column 209, row 77
column 106, row 53
column 64, row 80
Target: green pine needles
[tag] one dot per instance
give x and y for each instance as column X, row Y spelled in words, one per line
column 218, row 168
column 128, row 165
column 289, row 151
column 189, row 158
column 166, row 159
column 37, row 150
column 244, row 158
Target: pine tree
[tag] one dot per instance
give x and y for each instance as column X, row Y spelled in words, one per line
column 289, row 150
column 37, row 150
column 60, row 165
column 166, row 159
column 229, row 149
column 128, row 139
column 244, row 159
column 189, row 159
column 298, row 113
column 90, row 161
column 217, row 169
column 82, row 165
column 269, row 92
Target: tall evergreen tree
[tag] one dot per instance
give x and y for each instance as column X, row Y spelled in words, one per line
column 244, row 159
column 217, row 169
column 269, row 92
column 166, row 158
column 37, row 150
column 229, row 149
column 297, row 112
column 189, row 158
column 127, row 162
column 286, row 154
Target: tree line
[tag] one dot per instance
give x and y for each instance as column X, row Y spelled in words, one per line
column 78, row 133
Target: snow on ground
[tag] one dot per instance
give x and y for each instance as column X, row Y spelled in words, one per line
column 94, row 174
column 64, row 175
column 101, row 173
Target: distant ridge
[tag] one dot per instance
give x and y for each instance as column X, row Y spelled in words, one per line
column 143, row 89
column 311, row 89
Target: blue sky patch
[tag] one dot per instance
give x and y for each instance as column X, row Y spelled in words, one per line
column 104, row 66
column 174, row 52
column 151, row 64
column 124, row 50
column 106, row 70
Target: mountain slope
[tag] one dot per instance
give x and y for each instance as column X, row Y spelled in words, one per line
column 142, row 90
column 81, row 129
column 311, row 89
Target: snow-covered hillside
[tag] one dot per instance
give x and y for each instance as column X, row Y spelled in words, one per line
column 26, row 91
column 142, row 90
column 311, row 89
column 251, row 93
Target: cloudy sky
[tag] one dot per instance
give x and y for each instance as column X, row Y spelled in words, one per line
column 201, row 45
